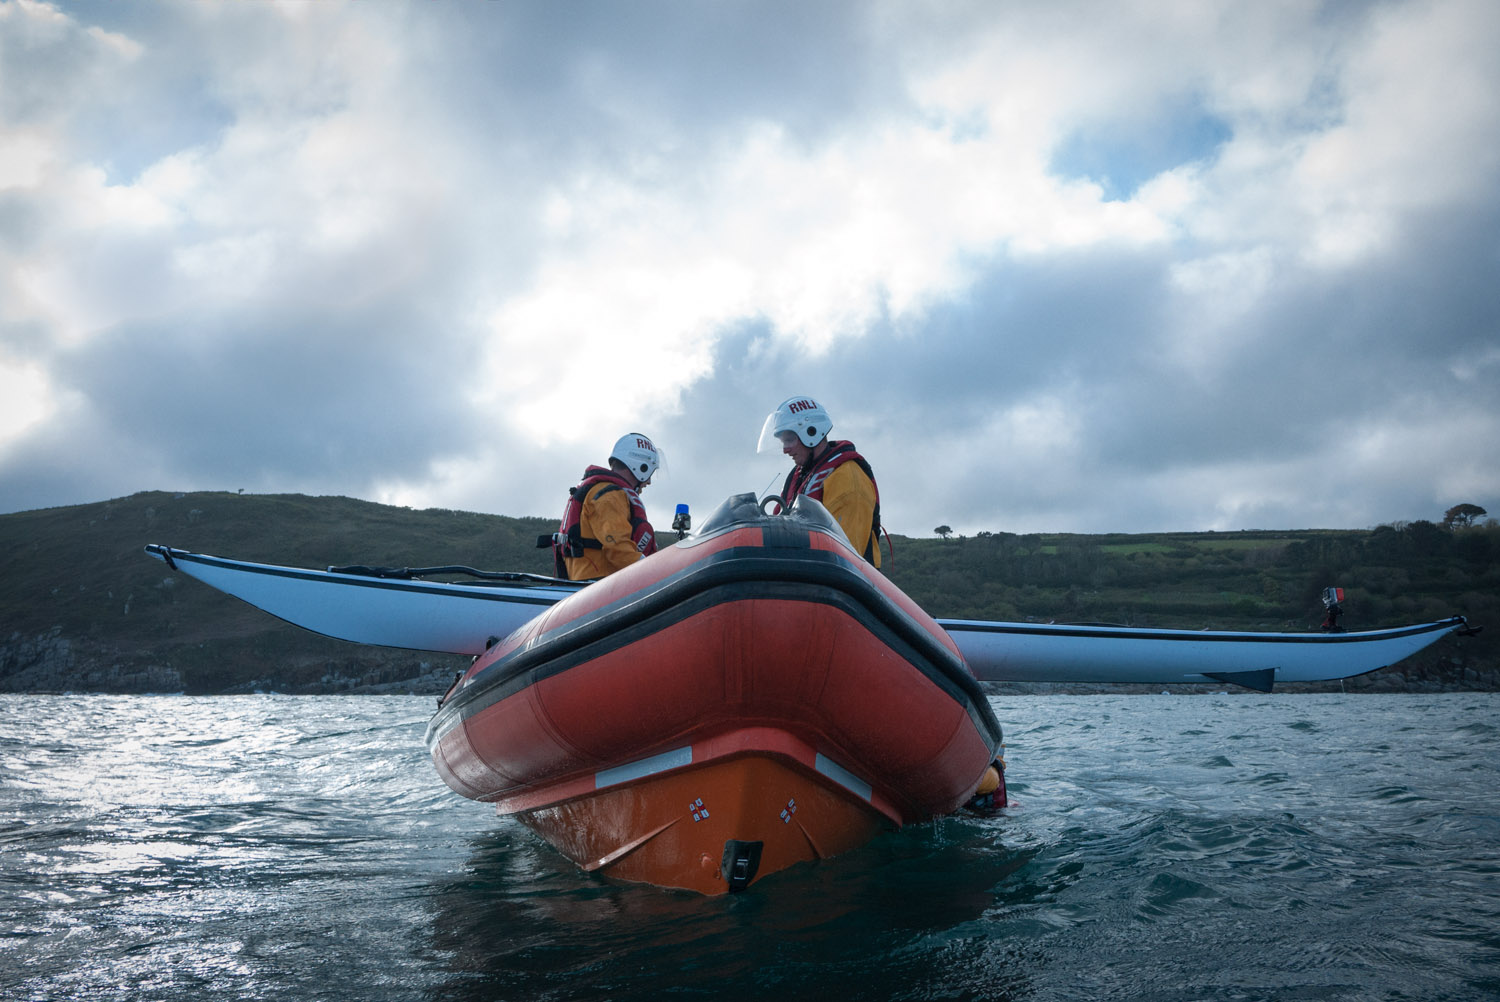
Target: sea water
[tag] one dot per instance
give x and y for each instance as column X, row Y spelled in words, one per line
column 1212, row 847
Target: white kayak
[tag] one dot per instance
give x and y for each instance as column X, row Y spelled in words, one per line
column 467, row 618
column 386, row 612
column 1032, row 652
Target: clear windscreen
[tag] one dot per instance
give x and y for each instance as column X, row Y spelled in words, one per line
column 661, row 464
column 769, row 440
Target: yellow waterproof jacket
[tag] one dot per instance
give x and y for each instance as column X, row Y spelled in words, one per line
column 840, row 479
column 849, row 496
column 606, row 517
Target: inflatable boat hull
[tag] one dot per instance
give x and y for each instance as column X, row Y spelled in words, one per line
column 759, row 691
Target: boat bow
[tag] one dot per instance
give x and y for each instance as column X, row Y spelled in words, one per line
column 758, row 687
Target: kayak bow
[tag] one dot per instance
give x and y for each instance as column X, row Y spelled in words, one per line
column 387, row 612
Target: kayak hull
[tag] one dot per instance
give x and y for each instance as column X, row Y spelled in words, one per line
column 1050, row 652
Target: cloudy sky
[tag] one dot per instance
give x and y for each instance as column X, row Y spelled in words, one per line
column 1052, row 266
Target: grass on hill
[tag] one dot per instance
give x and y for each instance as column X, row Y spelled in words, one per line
column 81, row 572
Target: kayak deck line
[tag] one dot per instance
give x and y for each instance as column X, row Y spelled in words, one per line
column 954, row 626
column 403, row 579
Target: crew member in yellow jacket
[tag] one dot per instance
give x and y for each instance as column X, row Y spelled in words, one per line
column 828, row 471
column 604, row 526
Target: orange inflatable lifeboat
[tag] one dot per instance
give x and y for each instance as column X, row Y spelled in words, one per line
column 748, row 699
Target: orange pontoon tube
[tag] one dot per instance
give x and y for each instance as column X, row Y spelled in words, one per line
column 749, row 699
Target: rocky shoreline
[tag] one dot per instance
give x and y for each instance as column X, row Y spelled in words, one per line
column 54, row 663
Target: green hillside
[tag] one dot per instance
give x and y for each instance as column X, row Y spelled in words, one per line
column 77, row 578
column 83, row 608
column 1234, row 580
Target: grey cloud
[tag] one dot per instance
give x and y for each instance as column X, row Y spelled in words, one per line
column 341, row 377
column 118, row 111
column 810, row 67
column 1327, row 353
column 21, row 223
column 46, row 63
column 268, row 399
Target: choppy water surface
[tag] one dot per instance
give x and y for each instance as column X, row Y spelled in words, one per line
column 1163, row 847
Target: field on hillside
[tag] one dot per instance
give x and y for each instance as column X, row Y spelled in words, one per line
column 1243, row 580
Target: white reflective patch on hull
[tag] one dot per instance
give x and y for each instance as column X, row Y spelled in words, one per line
column 673, row 759
column 842, row 776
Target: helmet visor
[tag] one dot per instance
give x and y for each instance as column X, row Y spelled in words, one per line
column 661, row 465
column 771, row 435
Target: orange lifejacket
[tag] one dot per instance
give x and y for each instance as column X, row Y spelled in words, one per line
column 810, row 479
column 569, row 540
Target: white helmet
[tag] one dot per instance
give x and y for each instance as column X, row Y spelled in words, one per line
column 638, row 455
column 802, row 415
